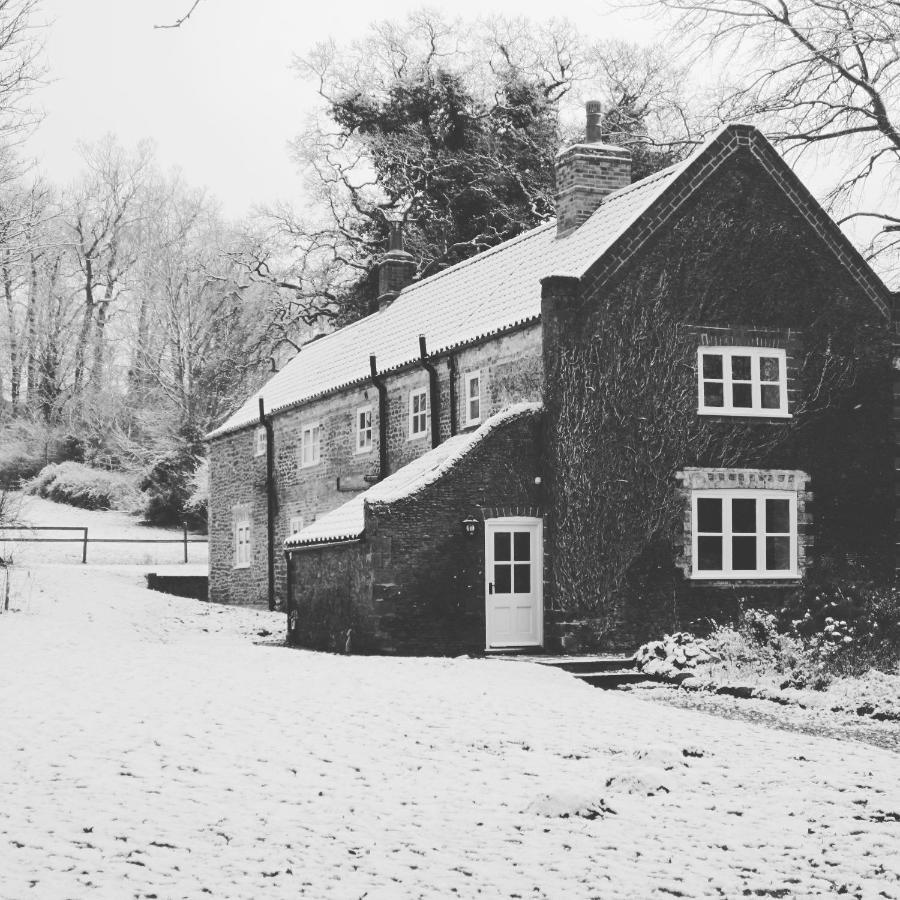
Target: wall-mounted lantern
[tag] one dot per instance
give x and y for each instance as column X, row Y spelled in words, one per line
column 470, row 526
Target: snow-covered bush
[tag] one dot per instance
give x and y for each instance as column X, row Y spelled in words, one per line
column 675, row 654
column 80, row 485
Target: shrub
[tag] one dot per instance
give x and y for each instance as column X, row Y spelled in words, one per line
column 17, row 464
column 827, row 630
column 80, row 485
column 168, row 488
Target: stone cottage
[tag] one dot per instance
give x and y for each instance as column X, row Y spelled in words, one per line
column 675, row 398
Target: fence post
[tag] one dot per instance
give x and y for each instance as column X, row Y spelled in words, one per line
column 84, row 546
column 184, row 526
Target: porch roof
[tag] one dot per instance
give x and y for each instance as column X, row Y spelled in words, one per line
column 347, row 522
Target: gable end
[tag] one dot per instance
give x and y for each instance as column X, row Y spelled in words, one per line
column 734, row 139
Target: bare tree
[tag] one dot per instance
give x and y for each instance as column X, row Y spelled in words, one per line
column 451, row 127
column 105, row 211
column 817, row 75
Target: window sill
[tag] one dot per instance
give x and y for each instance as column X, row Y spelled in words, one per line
column 417, row 437
column 364, row 451
column 744, row 577
column 472, row 423
column 245, row 565
column 311, row 465
column 746, row 413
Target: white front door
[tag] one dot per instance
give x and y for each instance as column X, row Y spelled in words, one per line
column 513, row 571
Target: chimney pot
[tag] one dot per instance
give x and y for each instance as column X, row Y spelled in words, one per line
column 592, row 127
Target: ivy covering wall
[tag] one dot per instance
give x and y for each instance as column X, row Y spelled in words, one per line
column 621, row 401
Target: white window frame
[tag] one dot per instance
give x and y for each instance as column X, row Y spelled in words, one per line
column 727, row 572
column 469, row 398
column 364, row 435
column 421, row 414
column 314, row 457
column 755, row 409
column 259, row 446
column 295, row 524
column 243, row 543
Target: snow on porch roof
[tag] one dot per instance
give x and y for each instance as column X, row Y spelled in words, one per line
column 347, row 522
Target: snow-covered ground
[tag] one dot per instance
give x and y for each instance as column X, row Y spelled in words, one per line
column 149, row 748
column 100, row 524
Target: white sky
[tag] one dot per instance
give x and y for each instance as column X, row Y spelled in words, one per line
column 218, row 95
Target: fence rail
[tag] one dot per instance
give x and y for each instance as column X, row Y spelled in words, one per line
column 85, row 538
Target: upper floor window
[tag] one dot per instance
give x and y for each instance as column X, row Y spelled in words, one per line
column 472, row 398
column 259, row 446
column 295, row 524
column 742, row 381
column 242, row 546
column 738, row 534
column 364, row 429
column 311, row 445
column 418, row 413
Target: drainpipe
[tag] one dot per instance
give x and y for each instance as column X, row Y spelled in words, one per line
column 266, row 423
column 289, row 602
column 433, row 391
column 453, row 373
column 382, row 418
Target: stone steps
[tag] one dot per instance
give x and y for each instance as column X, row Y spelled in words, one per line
column 598, row 671
column 614, row 679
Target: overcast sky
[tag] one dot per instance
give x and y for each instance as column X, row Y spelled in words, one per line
column 218, row 95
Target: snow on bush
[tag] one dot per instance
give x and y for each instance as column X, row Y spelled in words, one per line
column 80, row 485
column 676, row 655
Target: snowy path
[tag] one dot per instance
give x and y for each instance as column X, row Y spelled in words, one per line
column 149, row 749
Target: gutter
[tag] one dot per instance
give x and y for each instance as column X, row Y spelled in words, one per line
column 378, row 381
column 318, row 545
column 434, row 398
column 266, row 423
column 518, row 325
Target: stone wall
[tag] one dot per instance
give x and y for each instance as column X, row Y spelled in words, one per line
column 744, row 262
column 510, row 369
column 415, row 584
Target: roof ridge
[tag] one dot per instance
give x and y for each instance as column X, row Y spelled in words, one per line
column 484, row 254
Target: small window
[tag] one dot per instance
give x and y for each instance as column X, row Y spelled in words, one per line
column 259, row 448
column 311, row 445
column 364, row 429
column 472, row 398
column 242, row 543
column 295, row 525
column 741, row 534
column 418, row 413
column 742, row 381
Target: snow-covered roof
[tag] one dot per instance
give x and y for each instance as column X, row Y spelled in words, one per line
column 490, row 293
column 346, row 523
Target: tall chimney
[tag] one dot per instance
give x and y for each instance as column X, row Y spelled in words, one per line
column 396, row 269
column 586, row 173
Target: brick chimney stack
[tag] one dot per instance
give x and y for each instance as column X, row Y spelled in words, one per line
column 586, row 173
column 396, row 269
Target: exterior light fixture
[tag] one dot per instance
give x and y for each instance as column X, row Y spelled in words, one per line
column 470, row 525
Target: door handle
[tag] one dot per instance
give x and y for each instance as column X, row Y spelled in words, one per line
column 491, row 587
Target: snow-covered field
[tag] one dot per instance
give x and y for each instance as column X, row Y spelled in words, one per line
column 100, row 524
column 148, row 748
